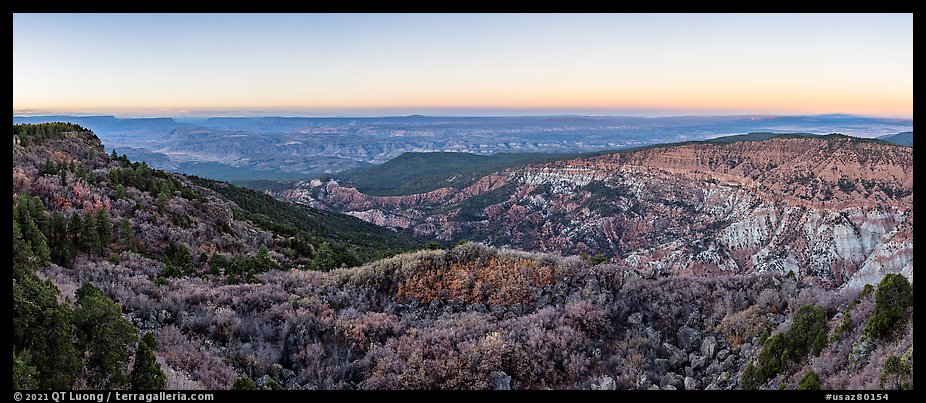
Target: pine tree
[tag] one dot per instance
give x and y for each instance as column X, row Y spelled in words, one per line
column 146, row 373
column 893, row 297
column 244, row 383
column 49, row 167
column 120, row 192
column 34, row 207
column 177, row 261
column 22, row 251
column 895, row 373
column 80, row 171
column 75, row 228
column 324, row 257
column 41, row 325
column 89, row 236
column 105, row 230
column 811, row 381
column 24, row 374
column 162, row 201
column 105, row 337
column 31, row 234
column 62, row 250
column 127, row 234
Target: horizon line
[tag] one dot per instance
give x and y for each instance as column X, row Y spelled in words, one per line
column 22, row 114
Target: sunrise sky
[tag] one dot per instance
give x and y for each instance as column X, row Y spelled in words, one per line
column 470, row 64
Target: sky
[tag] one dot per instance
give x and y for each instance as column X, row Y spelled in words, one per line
column 463, row 64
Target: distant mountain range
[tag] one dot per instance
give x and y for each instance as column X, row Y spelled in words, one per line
column 282, row 148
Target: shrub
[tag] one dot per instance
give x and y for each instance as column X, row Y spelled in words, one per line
column 807, row 334
column 244, row 383
column 865, row 291
column 811, row 381
column 893, row 297
column 896, row 373
column 177, row 261
column 146, row 373
column 105, row 337
column 751, row 379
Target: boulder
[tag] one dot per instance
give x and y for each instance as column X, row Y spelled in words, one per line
column 688, row 338
column 697, row 362
column 689, row 371
column 694, row 318
column 728, row 363
column 604, row 383
column 713, row 368
column 264, row 382
column 677, row 357
column 690, row 383
column 724, row 377
column 654, row 335
column 708, row 346
column 672, row 379
column 861, row 350
column 722, row 354
column 501, row 381
column 661, row 365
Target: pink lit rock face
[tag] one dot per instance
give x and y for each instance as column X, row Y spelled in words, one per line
column 836, row 210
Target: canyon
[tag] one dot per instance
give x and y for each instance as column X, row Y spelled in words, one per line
column 834, row 208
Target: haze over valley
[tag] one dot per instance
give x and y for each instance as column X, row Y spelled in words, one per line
column 288, row 148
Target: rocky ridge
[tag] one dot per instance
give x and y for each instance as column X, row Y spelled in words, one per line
column 835, row 208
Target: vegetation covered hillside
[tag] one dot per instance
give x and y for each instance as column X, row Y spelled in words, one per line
column 75, row 206
column 127, row 277
column 835, row 208
column 414, row 172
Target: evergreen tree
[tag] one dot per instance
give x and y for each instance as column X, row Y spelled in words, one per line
column 62, row 250
column 120, row 192
column 162, row 201
column 80, row 171
column 41, row 325
column 811, row 381
column 895, row 373
column 90, row 238
column 893, row 297
column 105, row 230
column 127, row 234
column 105, row 337
column 262, row 262
column 177, row 261
column 146, row 373
column 36, row 210
column 75, row 228
column 49, row 168
column 31, row 234
column 24, row 374
column 22, row 253
column 325, row 258
column 244, row 383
